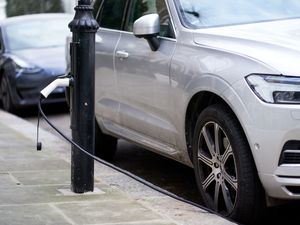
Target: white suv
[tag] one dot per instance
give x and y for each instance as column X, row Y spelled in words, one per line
column 214, row 85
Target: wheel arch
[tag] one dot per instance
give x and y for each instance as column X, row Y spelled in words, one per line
column 200, row 101
column 196, row 105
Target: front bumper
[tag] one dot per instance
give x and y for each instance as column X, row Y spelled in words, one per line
column 268, row 128
column 26, row 89
column 284, row 183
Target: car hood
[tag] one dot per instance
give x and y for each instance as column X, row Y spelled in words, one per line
column 275, row 44
column 49, row 59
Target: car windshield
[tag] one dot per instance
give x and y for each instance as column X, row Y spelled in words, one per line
column 37, row 34
column 210, row 13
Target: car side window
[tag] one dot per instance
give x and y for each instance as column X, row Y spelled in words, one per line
column 112, row 14
column 140, row 8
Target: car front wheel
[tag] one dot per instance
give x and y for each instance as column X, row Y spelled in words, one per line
column 224, row 168
column 5, row 96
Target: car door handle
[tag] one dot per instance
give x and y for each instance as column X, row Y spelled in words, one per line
column 122, row 54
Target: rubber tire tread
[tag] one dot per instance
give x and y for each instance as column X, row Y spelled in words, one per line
column 11, row 108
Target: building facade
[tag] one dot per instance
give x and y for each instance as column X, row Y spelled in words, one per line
column 69, row 5
column 2, row 9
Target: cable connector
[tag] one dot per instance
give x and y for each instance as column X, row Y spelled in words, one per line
column 60, row 82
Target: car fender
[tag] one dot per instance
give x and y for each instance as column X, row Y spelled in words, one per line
column 218, row 86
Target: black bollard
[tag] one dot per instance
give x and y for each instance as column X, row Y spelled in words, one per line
column 84, row 28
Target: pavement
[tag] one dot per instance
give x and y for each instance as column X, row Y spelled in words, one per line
column 35, row 188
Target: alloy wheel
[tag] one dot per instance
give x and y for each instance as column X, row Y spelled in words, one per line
column 217, row 168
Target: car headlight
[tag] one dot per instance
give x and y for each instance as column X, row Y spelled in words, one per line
column 275, row 89
column 24, row 67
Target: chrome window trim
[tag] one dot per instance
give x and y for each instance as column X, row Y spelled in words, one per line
column 160, row 37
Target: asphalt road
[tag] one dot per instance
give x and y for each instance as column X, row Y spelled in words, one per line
column 167, row 174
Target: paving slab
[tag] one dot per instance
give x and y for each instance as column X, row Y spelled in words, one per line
column 31, row 215
column 6, row 180
column 49, row 177
column 37, row 194
column 33, row 164
column 118, row 211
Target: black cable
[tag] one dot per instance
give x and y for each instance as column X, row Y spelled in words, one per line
column 38, row 144
column 148, row 184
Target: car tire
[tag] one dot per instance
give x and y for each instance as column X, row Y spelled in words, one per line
column 224, row 168
column 5, row 96
column 105, row 145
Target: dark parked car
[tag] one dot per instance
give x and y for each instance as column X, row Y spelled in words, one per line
column 31, row 55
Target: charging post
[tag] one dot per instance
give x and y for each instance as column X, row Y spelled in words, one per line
column 84, row 28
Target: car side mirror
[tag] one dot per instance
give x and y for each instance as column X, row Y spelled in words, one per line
column 148, row 27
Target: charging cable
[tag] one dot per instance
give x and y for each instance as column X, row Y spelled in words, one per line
column 61, row 81
column 101, row 161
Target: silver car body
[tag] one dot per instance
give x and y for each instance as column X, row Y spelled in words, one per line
column 143, row 95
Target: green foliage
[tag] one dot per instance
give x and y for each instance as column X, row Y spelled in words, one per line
column 23, row 7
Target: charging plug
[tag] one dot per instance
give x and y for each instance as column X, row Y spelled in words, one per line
column 60, row 82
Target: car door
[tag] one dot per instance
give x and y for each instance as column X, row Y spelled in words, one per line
column 143, row 75
column 110, row 16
